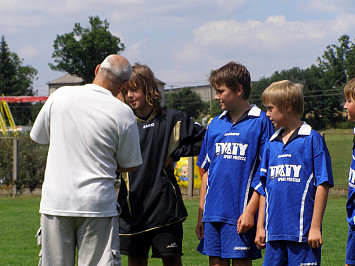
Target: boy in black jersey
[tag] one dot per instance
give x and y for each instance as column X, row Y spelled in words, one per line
column 151, row 201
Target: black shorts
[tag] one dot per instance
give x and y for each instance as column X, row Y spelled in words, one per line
column 165, row 241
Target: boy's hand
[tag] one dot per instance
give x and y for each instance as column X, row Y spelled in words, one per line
column 315, row 238
column 260, row 238
column 320, row 201
column 245, row 222
column 199, row 230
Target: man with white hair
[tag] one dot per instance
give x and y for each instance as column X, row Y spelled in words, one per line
column 89, row 142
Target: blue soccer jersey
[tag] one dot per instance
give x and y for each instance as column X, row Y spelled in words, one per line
column 350, row 205
column 350, row 209
column 231, row 154
column 290, row 174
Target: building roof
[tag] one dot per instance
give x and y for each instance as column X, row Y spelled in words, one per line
column 66, row 79
column 159, row 81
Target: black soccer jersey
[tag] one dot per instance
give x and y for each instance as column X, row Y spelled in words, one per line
column 150, row 197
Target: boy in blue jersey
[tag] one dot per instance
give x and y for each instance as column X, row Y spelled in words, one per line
column 296, row 176
column 230, row 156
column 349, row 94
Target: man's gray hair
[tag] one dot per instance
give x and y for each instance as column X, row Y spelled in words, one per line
column 116, row 69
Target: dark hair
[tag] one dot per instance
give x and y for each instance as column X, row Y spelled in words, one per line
column 143, row 78
column 231, row 75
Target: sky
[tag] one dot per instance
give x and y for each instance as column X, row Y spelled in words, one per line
column 183, row 40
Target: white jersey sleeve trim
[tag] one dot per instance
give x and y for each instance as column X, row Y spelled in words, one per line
column 206, row 160
column 258, row 186
column 266, row 215
column 302, row 206
column 248, row 186
column 263, row 170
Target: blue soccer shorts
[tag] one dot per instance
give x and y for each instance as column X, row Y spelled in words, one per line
column 350, row 249
column 291, row 253
column 222, row 240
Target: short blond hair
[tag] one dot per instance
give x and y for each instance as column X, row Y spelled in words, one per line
column 349, row 89
column 284, row 94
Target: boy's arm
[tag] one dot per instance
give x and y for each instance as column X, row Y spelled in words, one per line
column 191, row 136
column 199, row 227
column 320, row 202
column 246, row 220
column 260, row 227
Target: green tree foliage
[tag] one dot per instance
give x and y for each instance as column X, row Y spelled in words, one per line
column 185, row 100
column 16, row 80
column 216, row 109
column 321, row 108
column 79, row 51
column 323, row 84
column 31, row 162
column 6, row 160
column 338, row 62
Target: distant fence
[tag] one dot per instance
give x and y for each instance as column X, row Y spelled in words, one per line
column 339, row 190
column 22, row 166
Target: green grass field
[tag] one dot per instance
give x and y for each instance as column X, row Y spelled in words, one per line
column 19, row 218
column 339, row 143
column 19, row 222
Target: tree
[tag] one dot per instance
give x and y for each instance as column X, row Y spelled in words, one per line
column 185, row 100
column 216, row 109
column 321, row 106
column 16, row 80
column 294, row 74
column 79, row 52
column 323, row 84
column 337, row 65
column 337, row 62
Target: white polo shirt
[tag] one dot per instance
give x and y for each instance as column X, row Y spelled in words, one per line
column 89, row 131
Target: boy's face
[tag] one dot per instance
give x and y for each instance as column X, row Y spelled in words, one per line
column 135, row 98
column 276, row 115
column 350, row 108
column 227, row 98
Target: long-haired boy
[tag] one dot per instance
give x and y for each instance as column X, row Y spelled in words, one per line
column 151, row 201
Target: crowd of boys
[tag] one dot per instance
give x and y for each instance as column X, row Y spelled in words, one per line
column 265, row 182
